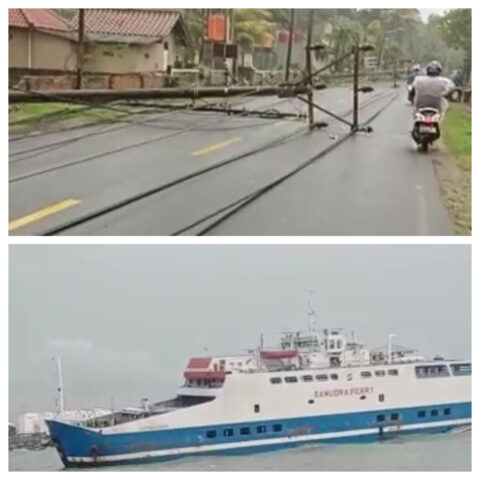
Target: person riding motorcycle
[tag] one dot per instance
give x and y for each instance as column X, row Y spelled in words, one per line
column 412, row 75
column 429, row 91
column 414, row 72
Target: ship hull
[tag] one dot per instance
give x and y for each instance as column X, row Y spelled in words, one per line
column 83, row 447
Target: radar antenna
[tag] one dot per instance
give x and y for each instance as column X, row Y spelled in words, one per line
column 311, row 313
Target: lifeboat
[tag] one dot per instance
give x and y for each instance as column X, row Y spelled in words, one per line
column 278, row 354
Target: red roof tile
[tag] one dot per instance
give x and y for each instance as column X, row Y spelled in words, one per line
column 129, row 22
column 38, row 18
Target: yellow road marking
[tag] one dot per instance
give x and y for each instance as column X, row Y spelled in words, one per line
column 216, row 146
column 44, row 212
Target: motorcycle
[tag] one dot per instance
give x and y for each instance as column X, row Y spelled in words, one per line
column 410, row 93
column 426, row 127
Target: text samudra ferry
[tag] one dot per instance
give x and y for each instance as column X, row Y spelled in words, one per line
column 315, row 387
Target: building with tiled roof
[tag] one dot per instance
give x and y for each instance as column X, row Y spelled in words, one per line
column 116, row 40
column 37, row 19
column 39, row 39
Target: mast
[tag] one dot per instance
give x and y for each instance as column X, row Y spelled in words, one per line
column 61, row 399
column 312, row 314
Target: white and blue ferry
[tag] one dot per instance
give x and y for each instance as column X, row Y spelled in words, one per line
column 313, row 387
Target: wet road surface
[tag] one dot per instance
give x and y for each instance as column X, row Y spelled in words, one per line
column 371, row 184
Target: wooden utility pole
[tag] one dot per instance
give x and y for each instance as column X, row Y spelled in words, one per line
column 225, row 39
column 204, row 35
column 308, row 67
column 290, row 40
column 356, row 66
column 81, row 47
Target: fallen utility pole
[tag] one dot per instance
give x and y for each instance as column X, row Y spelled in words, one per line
column 152, row 94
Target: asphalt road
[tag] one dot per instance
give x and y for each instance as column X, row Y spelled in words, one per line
column 372, row 184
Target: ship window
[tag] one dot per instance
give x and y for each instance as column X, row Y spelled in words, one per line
column 363, row 397
column 228, row 432
column 393, row 372
column 261, row 429
column 211, row 433
column 429, row 371
column 381, row 397
column 275, row 380
column 291, row 379
column 380, row 418
column 447, row 411
column 421, row 414
column 380, row 373
column 277, row 427
column 334, row 376
column 256, row 408
column 434, row 413
column 461, row 368
column 366, row 374
column 339, row 344
column 331, row 345
column 307, row 378
column 245, row 431
column 394, row 416
column 321, row 378
column 311, row 401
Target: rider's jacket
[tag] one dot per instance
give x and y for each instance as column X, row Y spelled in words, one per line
column 430, row 91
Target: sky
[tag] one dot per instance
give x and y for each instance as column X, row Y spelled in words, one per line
column 125, row 318
column 426, row 12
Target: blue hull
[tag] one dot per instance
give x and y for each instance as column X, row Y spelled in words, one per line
column 81, row 447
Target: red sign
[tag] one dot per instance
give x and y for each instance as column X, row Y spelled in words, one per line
column 343, row 392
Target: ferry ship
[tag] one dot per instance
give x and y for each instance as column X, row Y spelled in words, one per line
column 315, row 386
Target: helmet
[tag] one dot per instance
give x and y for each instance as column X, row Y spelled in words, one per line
column 434, row 68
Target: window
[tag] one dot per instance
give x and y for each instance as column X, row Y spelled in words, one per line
column 393, row 372
column 291, row 379
column 321, row 378
column 447, row 411
column 211, row 433
column 228, row 432
column 261, row 429
column 429, row 371
column 363, row 397
column 434, row 413
column 275, row 380
column 307, row 378
column 394, row 416
column 380, row 418
column 256, row 408
column 461, row 368
column 366, row 374
column 165, row 45
column 379, row 373
column 381, row 397
column 421, row 414
column 245, row 431
column 331, row 345
column 277, row 427
column 339, row 344
column 334, row 376
column 311, row 401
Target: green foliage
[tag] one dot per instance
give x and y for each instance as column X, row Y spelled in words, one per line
column 396, row 34
column 456, row 28
column 457, row 134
